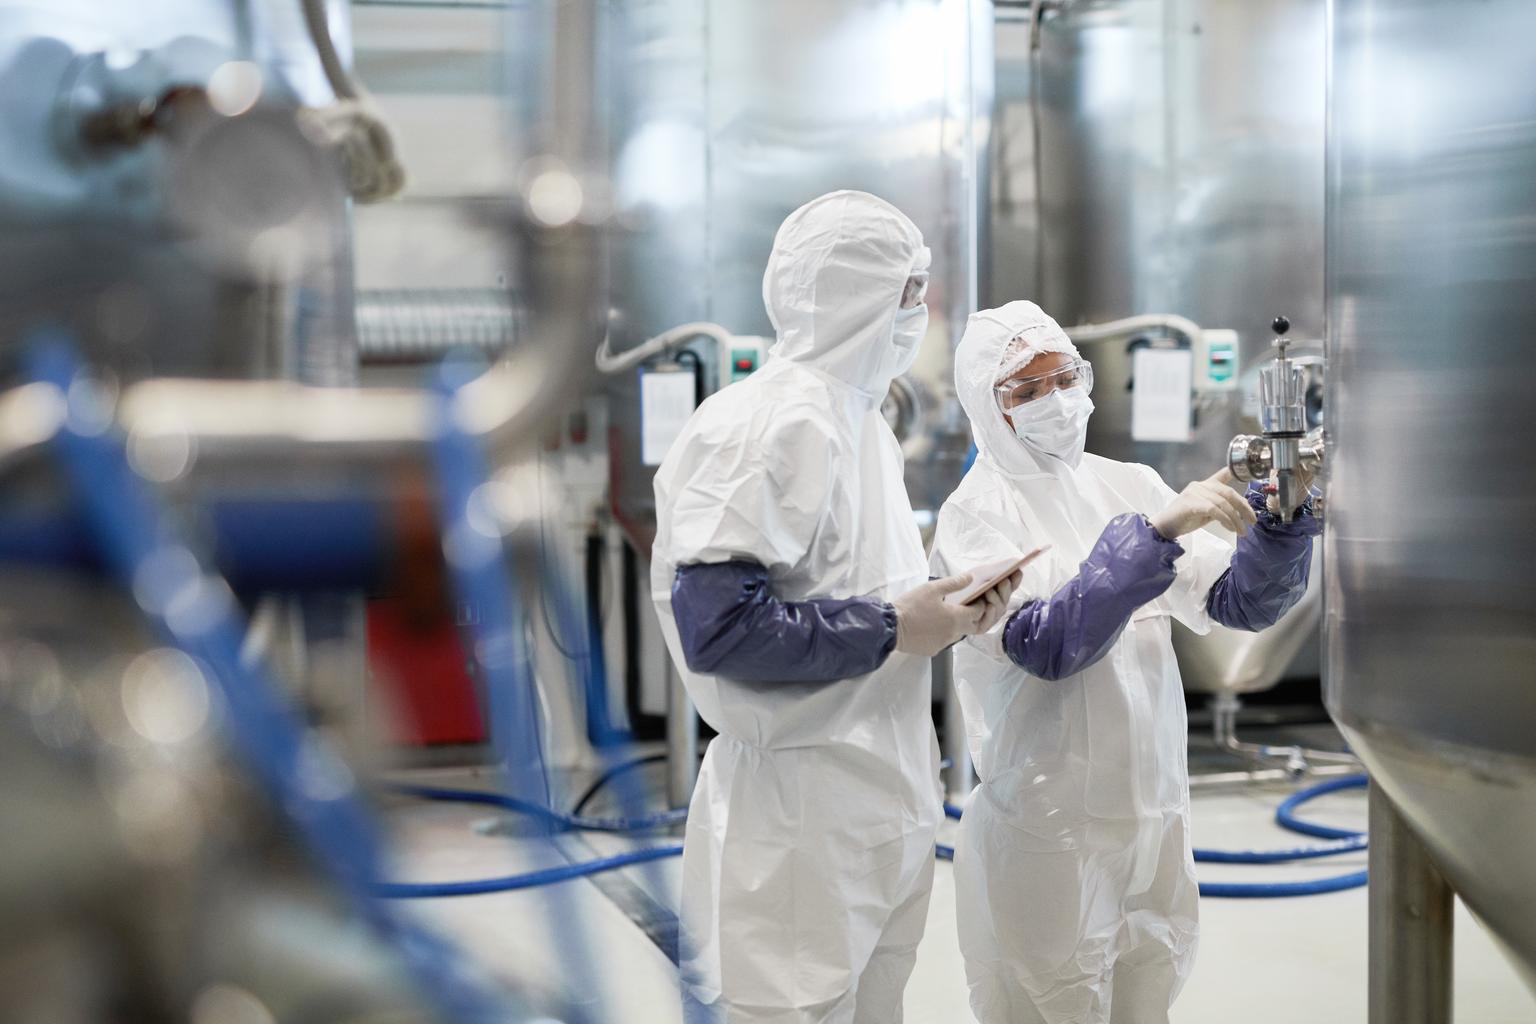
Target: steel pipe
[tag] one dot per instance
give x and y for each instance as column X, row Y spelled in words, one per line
column 1411, row 927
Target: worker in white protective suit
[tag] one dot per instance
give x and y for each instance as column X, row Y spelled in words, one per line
column 793, row 592
column 1075, row 890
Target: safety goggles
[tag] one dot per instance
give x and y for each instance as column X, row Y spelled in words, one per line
column 915, row 291
column 1017, row 391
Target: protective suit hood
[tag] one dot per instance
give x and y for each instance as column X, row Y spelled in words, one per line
column 986, row 352
column 833, row 287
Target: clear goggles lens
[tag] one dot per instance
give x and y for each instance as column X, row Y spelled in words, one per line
column 915, row 291
column 1017, row 391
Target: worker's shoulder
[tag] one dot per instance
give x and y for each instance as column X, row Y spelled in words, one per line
column 765, row 405
column 751, row 422
column 978, row 494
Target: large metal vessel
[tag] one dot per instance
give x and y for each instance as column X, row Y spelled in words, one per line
column 1430, row 620
column 719, row 134
column 1162, row 156
column 1166, row 156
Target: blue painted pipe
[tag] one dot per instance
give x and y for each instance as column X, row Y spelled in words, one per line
column 332, row 543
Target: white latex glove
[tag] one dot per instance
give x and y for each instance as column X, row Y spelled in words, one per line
column 926, row 623
column 1211, row 500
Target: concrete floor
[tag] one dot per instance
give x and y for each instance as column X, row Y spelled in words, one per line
column 1261, row 961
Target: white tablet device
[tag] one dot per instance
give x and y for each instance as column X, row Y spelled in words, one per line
column 985, row 577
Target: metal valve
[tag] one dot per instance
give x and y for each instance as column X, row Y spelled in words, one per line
column 1284, row 449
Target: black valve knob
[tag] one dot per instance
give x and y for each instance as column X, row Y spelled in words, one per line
column 1280, row 325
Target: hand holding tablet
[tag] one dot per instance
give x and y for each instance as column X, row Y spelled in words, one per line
column 985, row 577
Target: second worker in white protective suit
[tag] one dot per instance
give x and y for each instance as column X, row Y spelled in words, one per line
column 792, row 589
column 1075, row 890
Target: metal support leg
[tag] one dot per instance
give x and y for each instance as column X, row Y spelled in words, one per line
column 682, row 741
column 1411, row 926
column 960, row 778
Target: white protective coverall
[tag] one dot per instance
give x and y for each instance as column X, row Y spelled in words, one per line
column 1075, row 888
column 809, row 849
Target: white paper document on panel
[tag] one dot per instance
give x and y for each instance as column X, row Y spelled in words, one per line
column 666, row 402
column 1160, row 397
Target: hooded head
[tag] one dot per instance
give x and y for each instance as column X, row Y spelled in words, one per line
column 834, row 289
column 997, row 344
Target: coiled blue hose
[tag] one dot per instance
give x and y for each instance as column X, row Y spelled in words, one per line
column 1342, row 840
column 1285, row 814
column 1276, row 890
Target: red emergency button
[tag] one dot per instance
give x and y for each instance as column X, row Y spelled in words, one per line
column 743, row 364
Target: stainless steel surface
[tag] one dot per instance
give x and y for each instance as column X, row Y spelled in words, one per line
column 1294, row 760
column 1244, row 779
column 1430, row 554
column 717, row 137
column 1179, row 170
column 1249, row 456
column 1412, row 928
column 1283, row 420
column 1165, row 156
column 1281, row 390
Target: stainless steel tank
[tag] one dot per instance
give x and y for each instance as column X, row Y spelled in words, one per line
column 1430, row 602
column 1178, row 169
column 1166, row 156
column 718, row 135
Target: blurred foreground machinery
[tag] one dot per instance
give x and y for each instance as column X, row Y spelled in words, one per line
column 175, row 205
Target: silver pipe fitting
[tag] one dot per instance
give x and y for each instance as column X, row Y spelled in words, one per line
column 1295, row 761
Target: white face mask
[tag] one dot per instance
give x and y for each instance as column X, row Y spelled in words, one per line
column 906, row 339
column 1056, row 425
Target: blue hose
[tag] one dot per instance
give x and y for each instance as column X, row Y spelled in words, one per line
column 1275, row 890
column 1282, row 856
column 1285, row 814
column 566, row 822
column 532, row 879
column 1343, row 840
column 1347, row 841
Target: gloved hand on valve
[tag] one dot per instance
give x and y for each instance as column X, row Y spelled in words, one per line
column 927, row 624
column 1203, row 502
column 1272, row 489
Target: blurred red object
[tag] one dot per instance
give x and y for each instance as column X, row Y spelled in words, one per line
column 419, row 665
